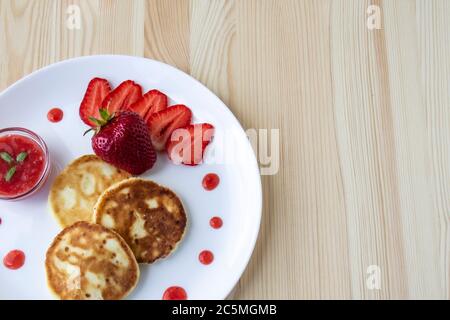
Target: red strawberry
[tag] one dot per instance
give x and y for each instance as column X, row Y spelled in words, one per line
column 164, row 122
column 124, row 141
column 96, row 91
column 187, row 145
column 151, row 102
column 122, row 97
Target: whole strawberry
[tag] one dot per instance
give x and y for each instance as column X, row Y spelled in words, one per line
column 124, row 141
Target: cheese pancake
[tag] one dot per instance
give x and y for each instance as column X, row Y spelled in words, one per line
column 88, row 261
column 77, row 188
column 149, row 217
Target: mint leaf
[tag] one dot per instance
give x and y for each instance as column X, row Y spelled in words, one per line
column 10, row 173
column 6, row 156
column 22, row 156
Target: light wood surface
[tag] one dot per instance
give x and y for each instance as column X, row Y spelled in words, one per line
column 364, row 119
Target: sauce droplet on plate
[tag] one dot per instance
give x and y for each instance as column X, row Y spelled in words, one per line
column 14, row 259
column 175, row 293
column 210, row 181
column 206, row 257
column 55, row 115
column 216, row 222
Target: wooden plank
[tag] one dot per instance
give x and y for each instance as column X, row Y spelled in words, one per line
column 363, row 117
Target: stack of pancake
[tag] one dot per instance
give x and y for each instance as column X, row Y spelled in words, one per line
column 111, row 222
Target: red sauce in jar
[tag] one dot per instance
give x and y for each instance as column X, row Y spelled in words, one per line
column 55, row 115
column 210, row 181
column 175, row 293
column 14, row 259
column 19, row 174
column 206, row 257
column 216, row 222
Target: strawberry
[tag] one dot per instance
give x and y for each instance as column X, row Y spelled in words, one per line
column 124, row 141
column 164, row 122
column 96, row 91
column 187, row 145
column 151, row 102
column 122, row 97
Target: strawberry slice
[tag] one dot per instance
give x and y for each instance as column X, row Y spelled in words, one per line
column 187, row 145
column 122, row 97
column 151, row 102
column 164, row 122
column 96, row 91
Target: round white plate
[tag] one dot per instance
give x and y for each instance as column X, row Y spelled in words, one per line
column 27, row 224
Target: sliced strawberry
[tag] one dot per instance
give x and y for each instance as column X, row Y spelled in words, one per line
column 187, row 145
column 96, row 91
column 122, row 97
column 151, row 102
column 164, row 122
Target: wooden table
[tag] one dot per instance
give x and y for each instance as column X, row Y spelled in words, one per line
column 364, row 120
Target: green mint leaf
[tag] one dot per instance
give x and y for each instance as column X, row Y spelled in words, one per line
column 10, row 173
column 22, row 156
column 6, row 156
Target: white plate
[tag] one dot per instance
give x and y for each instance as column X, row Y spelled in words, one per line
column 27, row 224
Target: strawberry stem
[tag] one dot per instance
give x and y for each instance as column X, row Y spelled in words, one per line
column 99, row 123
column 104, row 114
column 87, row 131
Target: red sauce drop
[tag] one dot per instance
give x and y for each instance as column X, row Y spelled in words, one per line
column 175, row 293
column 14, row 259
column 28, row 172
column 206, row 257
column 210, row 181
column 216, row 222
column 55, row 115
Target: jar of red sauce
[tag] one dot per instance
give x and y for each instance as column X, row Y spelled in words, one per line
column 24, row 163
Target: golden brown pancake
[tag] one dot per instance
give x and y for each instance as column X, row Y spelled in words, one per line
column 149, row 217
column 89, row 261
column 77, row 188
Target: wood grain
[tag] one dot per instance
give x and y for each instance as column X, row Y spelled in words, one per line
column 363, row 115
